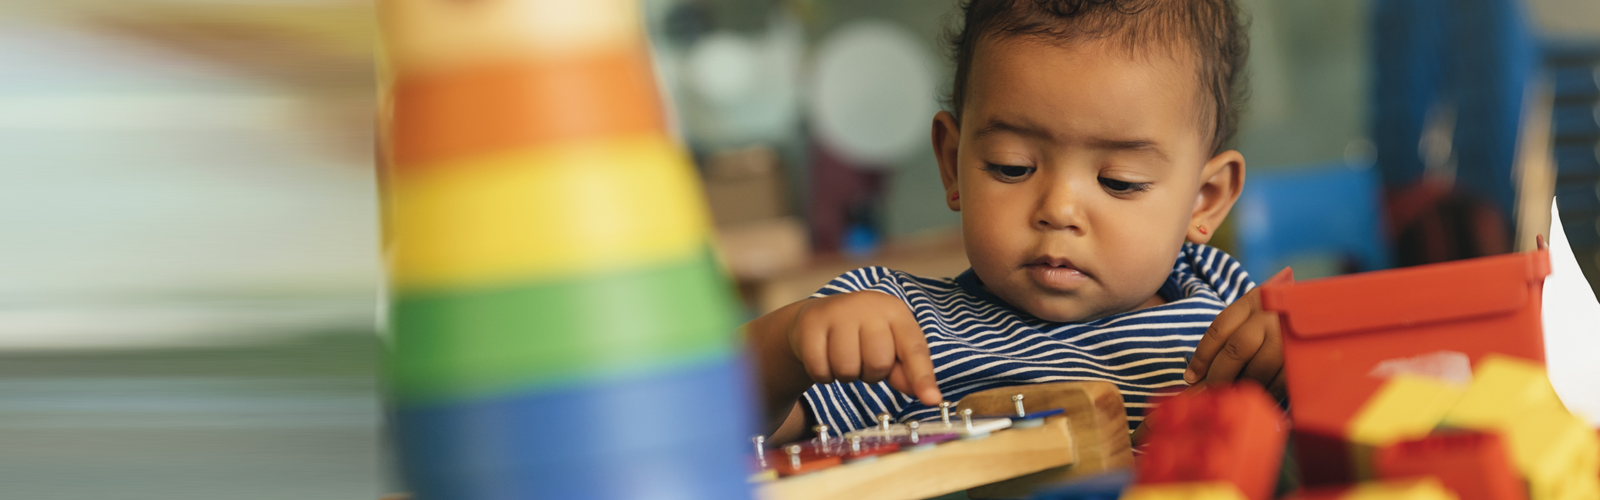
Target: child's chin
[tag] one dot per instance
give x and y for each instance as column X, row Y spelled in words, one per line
column 1057, row 312
column 1071, row 310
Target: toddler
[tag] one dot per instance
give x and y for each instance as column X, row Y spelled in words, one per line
column 1085, row 147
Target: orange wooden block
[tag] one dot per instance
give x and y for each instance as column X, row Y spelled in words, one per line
column 517, row 104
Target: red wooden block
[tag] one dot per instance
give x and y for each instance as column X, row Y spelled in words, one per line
column 1343, row 336
column 1473, row 464
column 1234, row 434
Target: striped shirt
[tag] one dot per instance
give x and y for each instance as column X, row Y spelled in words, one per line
column 979, row 342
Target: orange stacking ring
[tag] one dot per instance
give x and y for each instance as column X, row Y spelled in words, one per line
column 492, row 108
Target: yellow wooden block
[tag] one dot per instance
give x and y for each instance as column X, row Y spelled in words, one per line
column 435, row 34
column 545, row 213
column 1211, row 490
column 1502, row 388
column 1409, row 489
column 1407, row 406
column 1557, row 453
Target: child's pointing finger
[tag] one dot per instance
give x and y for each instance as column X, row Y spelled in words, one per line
column 914, row 365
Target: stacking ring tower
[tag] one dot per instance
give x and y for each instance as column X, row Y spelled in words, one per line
column 561, row 328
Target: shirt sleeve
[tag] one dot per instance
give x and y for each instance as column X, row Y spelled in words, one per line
column 846, row 407
column 867, row 278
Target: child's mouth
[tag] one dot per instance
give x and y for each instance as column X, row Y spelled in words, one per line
column 1055, row 273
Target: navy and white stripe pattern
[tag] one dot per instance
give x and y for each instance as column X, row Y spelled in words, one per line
column 979, row 342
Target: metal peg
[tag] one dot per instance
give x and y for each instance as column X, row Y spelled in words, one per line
column 944, row 412
column 855, row 444
column 913, row 426
column 883, row 421
column 1017, row 399
column 794, row 455
column 966, row 418
column 822, row 432
column 761, row 449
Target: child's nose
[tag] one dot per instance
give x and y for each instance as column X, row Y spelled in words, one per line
column 1059, row 210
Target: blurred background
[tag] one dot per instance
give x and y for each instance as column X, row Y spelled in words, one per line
column 190, row 272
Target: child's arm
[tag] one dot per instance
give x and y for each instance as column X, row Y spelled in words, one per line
column 867, row 335
column 1242, row 342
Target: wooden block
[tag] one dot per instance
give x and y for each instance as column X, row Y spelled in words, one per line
column 1426, row 488
column 1407, row 407
column 1557, row 453
column 949, row 467
column 1503, row 388
column 1234, row 434
column 1211, row 490
column 1475, row 465
column 1098, row 421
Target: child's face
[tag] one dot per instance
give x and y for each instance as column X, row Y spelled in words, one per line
column 1081, row 170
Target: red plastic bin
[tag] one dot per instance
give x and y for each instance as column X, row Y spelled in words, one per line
column 1337, row 332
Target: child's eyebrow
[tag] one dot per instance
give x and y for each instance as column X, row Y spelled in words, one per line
column 996, row 126
column 1136, row 145
column 1146, row 146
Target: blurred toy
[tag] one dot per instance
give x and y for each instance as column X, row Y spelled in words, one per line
column 1344, row 336
column 1407, row 489
column 1521, row 431
column 1103, row 486
column 1474, row 465
column 1283, row 218
column 1503, row 389
column 1233, row 434
column 1212, row 490
column 1556, row 452
column 1099, row 432
column 560, row 322
column 1406, row 407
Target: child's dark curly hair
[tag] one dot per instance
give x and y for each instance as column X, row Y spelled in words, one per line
column 1211, row 30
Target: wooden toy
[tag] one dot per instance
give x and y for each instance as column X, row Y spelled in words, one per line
column 1099, row 426
column 1425, row 488
column 1213, row 490
column 1103, row 486
column 1474, row 465
column 1406, row 407
column 550, row 261
column 1502, row 389
column 1556, row 452
column 1232, row 434
column 1343, row 336
column 958, row 451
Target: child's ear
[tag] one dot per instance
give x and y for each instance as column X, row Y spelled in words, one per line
column 1221, row 180
column 946, row 149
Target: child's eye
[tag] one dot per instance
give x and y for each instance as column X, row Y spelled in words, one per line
column 1123, row 187
column 1009, row 173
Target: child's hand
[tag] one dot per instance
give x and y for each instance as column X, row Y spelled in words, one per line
column 868, row 336
column 1243, row 342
